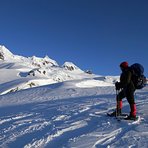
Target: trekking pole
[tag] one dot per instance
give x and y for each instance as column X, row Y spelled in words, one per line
column 117, row 103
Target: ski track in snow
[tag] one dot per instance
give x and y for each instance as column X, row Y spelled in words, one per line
column 69, row 117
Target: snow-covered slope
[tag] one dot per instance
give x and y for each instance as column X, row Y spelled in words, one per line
column 70, row 114
column 68, row 111
column 18, row 72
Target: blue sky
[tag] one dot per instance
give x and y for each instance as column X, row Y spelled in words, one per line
column 93, row 34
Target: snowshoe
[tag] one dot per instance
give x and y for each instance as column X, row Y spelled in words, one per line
column 115, row 113
column 134, row 118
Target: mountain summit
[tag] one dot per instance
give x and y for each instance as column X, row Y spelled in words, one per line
column 5, row 54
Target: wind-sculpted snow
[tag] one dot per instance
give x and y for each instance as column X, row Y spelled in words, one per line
column 63, row 115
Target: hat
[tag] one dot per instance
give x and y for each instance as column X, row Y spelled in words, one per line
column 124, row 65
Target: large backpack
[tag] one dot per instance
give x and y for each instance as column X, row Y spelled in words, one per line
column 138, row 77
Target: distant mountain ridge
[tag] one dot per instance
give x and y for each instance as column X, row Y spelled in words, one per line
column 37, row 62
column 7, row 55
column 34, row 71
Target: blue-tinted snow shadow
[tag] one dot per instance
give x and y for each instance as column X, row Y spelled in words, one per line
column 49, row 111
column 23, row 74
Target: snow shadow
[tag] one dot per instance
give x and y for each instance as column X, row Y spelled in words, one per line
column 51, row 121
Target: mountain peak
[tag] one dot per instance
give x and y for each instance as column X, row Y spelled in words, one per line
column 70, row 66
column 5, row 54
column 46, row 61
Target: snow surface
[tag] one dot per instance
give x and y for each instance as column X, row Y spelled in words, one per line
column 67, row 111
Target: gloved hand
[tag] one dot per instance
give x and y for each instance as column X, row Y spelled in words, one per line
column 117, row 85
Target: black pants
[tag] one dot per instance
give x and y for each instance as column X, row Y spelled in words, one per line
column 127, row 92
